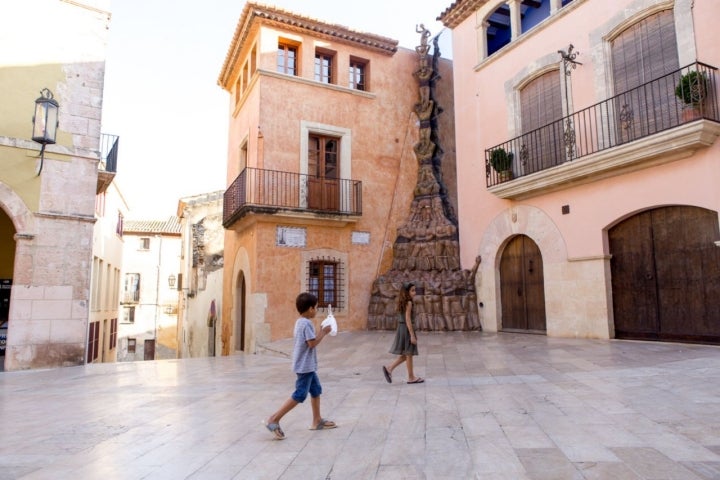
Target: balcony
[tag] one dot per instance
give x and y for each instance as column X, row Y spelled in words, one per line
column 261, row 191
column 648, row 125
column 108, row 161
column 131, row 296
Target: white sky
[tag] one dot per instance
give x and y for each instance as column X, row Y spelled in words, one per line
column 161, row 94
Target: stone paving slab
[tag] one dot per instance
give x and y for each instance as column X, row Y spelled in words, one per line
column 493, row 407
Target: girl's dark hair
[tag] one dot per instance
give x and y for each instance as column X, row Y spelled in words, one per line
column 304, row 301
column 404, row 296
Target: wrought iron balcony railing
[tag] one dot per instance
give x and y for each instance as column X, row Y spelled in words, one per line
column 108, row 161
column 109, row 152
column 271, row 191
column 131, row 296
column 680, row 97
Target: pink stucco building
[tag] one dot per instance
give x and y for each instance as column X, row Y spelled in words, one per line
column 605, row 222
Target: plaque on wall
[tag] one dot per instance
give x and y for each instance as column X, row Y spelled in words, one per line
column 290, row 237
column 361, row 238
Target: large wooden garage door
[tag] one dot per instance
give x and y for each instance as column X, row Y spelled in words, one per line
column 522, row 291
column 665, row 270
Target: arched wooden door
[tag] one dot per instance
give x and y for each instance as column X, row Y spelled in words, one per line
column 522, row 288
column 665, row 270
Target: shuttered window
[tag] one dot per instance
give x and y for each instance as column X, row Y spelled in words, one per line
column 541, row 110
column 644, row 52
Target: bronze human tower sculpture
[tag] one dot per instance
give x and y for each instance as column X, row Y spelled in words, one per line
column 426, row 250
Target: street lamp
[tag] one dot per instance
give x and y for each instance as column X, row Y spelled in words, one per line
column 171, row 280
column 45, row 122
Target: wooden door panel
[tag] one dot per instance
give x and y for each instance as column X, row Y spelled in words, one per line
column 522, row 289
column 534, row 285
column 315, row 192
column 149, row 349
column 633, row 277
column 512, row 288
column 665, row 270
column 688, row 267
column 331, row 194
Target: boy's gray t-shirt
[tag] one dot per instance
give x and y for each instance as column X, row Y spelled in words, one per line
column 304, row 358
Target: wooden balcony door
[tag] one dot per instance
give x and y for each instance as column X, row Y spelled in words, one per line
column 522, row 291
column 323, row 173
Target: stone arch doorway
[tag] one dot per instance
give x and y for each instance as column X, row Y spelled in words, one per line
column 7, row 262
column 665, row 270
column 240, row 312
column 522, row 290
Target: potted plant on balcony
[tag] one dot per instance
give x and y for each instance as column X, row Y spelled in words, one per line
column 692, row 90
column 501, row 161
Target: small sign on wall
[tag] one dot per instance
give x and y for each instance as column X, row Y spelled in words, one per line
column 361, row 238
column 290, row 237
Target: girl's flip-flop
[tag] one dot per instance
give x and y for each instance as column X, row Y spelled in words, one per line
column 418, row 380
column 386, row 372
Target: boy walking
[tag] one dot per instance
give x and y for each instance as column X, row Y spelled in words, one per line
column 304, row 364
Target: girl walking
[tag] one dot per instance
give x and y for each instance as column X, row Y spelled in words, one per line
column 405, row 342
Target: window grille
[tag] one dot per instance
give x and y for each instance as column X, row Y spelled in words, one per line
column 325, row 279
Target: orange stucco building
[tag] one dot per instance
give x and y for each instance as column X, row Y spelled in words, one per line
column 320, row 168
column 604, row 222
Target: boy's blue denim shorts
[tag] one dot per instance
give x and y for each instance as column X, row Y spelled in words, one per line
column 306, row 383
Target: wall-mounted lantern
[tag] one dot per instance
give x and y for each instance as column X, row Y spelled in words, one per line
column 45, row 122
column 171, row 280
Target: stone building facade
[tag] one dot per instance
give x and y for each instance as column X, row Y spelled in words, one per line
column 47, row 204
column 201, row 275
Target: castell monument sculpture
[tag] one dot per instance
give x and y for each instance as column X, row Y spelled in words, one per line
column 426, row 250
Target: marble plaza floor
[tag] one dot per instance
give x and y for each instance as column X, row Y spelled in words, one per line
column 494, row 406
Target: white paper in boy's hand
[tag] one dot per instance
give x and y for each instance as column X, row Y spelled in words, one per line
column 330, row 320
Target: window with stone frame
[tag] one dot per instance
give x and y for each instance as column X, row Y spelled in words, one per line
column 325, row 279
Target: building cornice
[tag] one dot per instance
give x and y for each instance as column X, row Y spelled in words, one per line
column 458, row 11
column 255, row 14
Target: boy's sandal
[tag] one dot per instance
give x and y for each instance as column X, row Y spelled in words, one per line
column 275, row 430
column 324, row 425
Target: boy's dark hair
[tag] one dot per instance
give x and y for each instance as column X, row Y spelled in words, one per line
column 304, row 301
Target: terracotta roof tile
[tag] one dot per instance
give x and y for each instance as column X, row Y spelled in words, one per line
column 171, row 226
